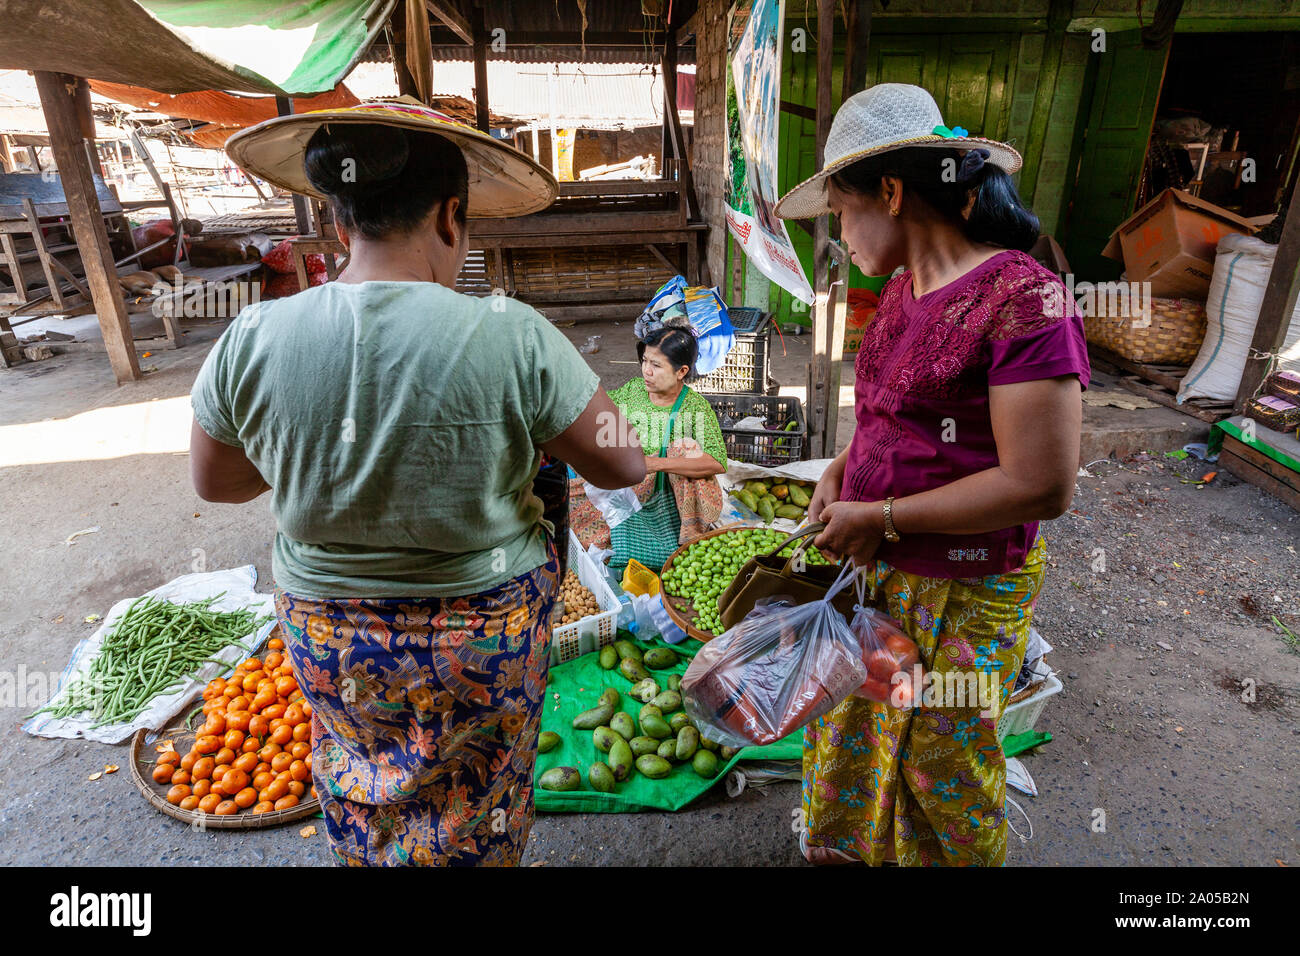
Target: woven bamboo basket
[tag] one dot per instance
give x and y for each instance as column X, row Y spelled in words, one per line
column 142, row 763
column 1170, row 334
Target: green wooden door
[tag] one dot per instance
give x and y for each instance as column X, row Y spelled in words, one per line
column 1124, row 97
column 969, row 76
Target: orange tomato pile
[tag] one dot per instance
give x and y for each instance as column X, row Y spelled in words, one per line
column 254, row 750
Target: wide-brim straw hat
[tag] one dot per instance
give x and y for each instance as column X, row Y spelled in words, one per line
column 881, row 118
column 502, row 181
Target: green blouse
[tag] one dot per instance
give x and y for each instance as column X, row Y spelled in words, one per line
column 695, row 419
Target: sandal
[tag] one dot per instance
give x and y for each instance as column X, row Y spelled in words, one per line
column 825, row 855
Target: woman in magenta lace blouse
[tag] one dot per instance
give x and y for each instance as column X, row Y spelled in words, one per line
column 968, row 414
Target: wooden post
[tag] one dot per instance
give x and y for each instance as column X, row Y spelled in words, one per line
column 302, row 219
column 419, row 53
column 668, row 63
column 858, row 26
column 819, row 369
column 550, row 112
column 406, row 85
column 838, row 308
column 1278, row 306
column 676, row 139
column 479, row 30
column 57, row 91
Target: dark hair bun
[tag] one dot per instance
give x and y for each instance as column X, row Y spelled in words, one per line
column 347, row 157
column 385, row 180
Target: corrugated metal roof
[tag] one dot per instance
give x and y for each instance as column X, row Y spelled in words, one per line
column 554, row 53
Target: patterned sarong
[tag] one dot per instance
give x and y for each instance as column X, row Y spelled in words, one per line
column 426, row 718
column 931, row 779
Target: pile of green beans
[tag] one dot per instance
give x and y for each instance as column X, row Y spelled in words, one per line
column 150, row 651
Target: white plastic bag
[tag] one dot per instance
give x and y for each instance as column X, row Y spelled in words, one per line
column 615, row 506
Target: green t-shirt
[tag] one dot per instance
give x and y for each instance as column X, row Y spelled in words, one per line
column 397, row 424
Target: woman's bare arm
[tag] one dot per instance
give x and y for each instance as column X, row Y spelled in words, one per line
column 601, row 446
column 222, row 472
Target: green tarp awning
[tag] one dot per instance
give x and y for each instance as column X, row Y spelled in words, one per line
column 178, row 46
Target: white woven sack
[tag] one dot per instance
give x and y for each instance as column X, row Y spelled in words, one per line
column 1241, row 268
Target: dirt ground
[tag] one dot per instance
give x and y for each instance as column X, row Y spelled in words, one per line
column 1162, row 598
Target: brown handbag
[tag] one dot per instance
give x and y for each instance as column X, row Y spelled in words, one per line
column 766, row 575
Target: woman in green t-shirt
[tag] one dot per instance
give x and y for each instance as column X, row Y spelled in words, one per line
column 398, row 426
column 680, row 496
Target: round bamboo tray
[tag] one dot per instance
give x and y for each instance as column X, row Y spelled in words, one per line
column 180, row 730
column 679, row 609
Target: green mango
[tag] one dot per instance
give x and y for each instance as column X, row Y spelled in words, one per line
column 653, row 767
column 668, row 701
column 596, row 717
column 705, row 764
column 620, row 760
column 628, row 651
column 656, row 727
column 605, row 737
column 726, row 753
column 766, row 510
column 645, row 690
column 547, row 742
column 601, row 778
column 660, row 658
column 756, row 488
column 561, row 778
column 643, row 745
column 790, row 511
column 674, row 681
column 708, row 744
column 799, row 497
column 608, row 657
column 648, row 709
column 621, row 724
column 688, row 741
column 746, row 498
column 679, row 720
column 632, row 670
column 667, row 749
column 610, row 697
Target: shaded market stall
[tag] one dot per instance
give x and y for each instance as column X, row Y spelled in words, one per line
column 171, row 47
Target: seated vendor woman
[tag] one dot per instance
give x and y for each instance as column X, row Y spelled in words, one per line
column 680, row 496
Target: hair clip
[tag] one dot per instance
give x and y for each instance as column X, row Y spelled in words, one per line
column 957, row 132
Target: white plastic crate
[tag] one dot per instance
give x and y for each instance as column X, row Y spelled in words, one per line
column 569, row 641
column 1021, row 716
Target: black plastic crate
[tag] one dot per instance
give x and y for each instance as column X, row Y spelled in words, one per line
column 748, row 364
column 761, row 446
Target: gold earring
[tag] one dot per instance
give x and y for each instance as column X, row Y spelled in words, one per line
column 893, row 212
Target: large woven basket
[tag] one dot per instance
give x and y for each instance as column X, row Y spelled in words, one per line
column 1173, row 335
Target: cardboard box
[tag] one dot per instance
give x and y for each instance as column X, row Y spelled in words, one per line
column 1050, row 255
column 1170, row 243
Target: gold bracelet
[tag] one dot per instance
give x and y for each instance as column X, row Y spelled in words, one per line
column 891, row 534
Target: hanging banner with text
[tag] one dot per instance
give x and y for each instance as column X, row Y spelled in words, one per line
column 753, row 123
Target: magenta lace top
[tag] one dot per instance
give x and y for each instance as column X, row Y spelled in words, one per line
column 922, row 380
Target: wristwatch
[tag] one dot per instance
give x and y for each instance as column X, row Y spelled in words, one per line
column 891, row 534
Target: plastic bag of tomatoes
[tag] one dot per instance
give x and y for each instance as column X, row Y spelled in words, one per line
column 894, row 670
column 253, row 752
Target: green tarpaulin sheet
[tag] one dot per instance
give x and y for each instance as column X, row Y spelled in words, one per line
column 178, row 46
column 579, row 684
